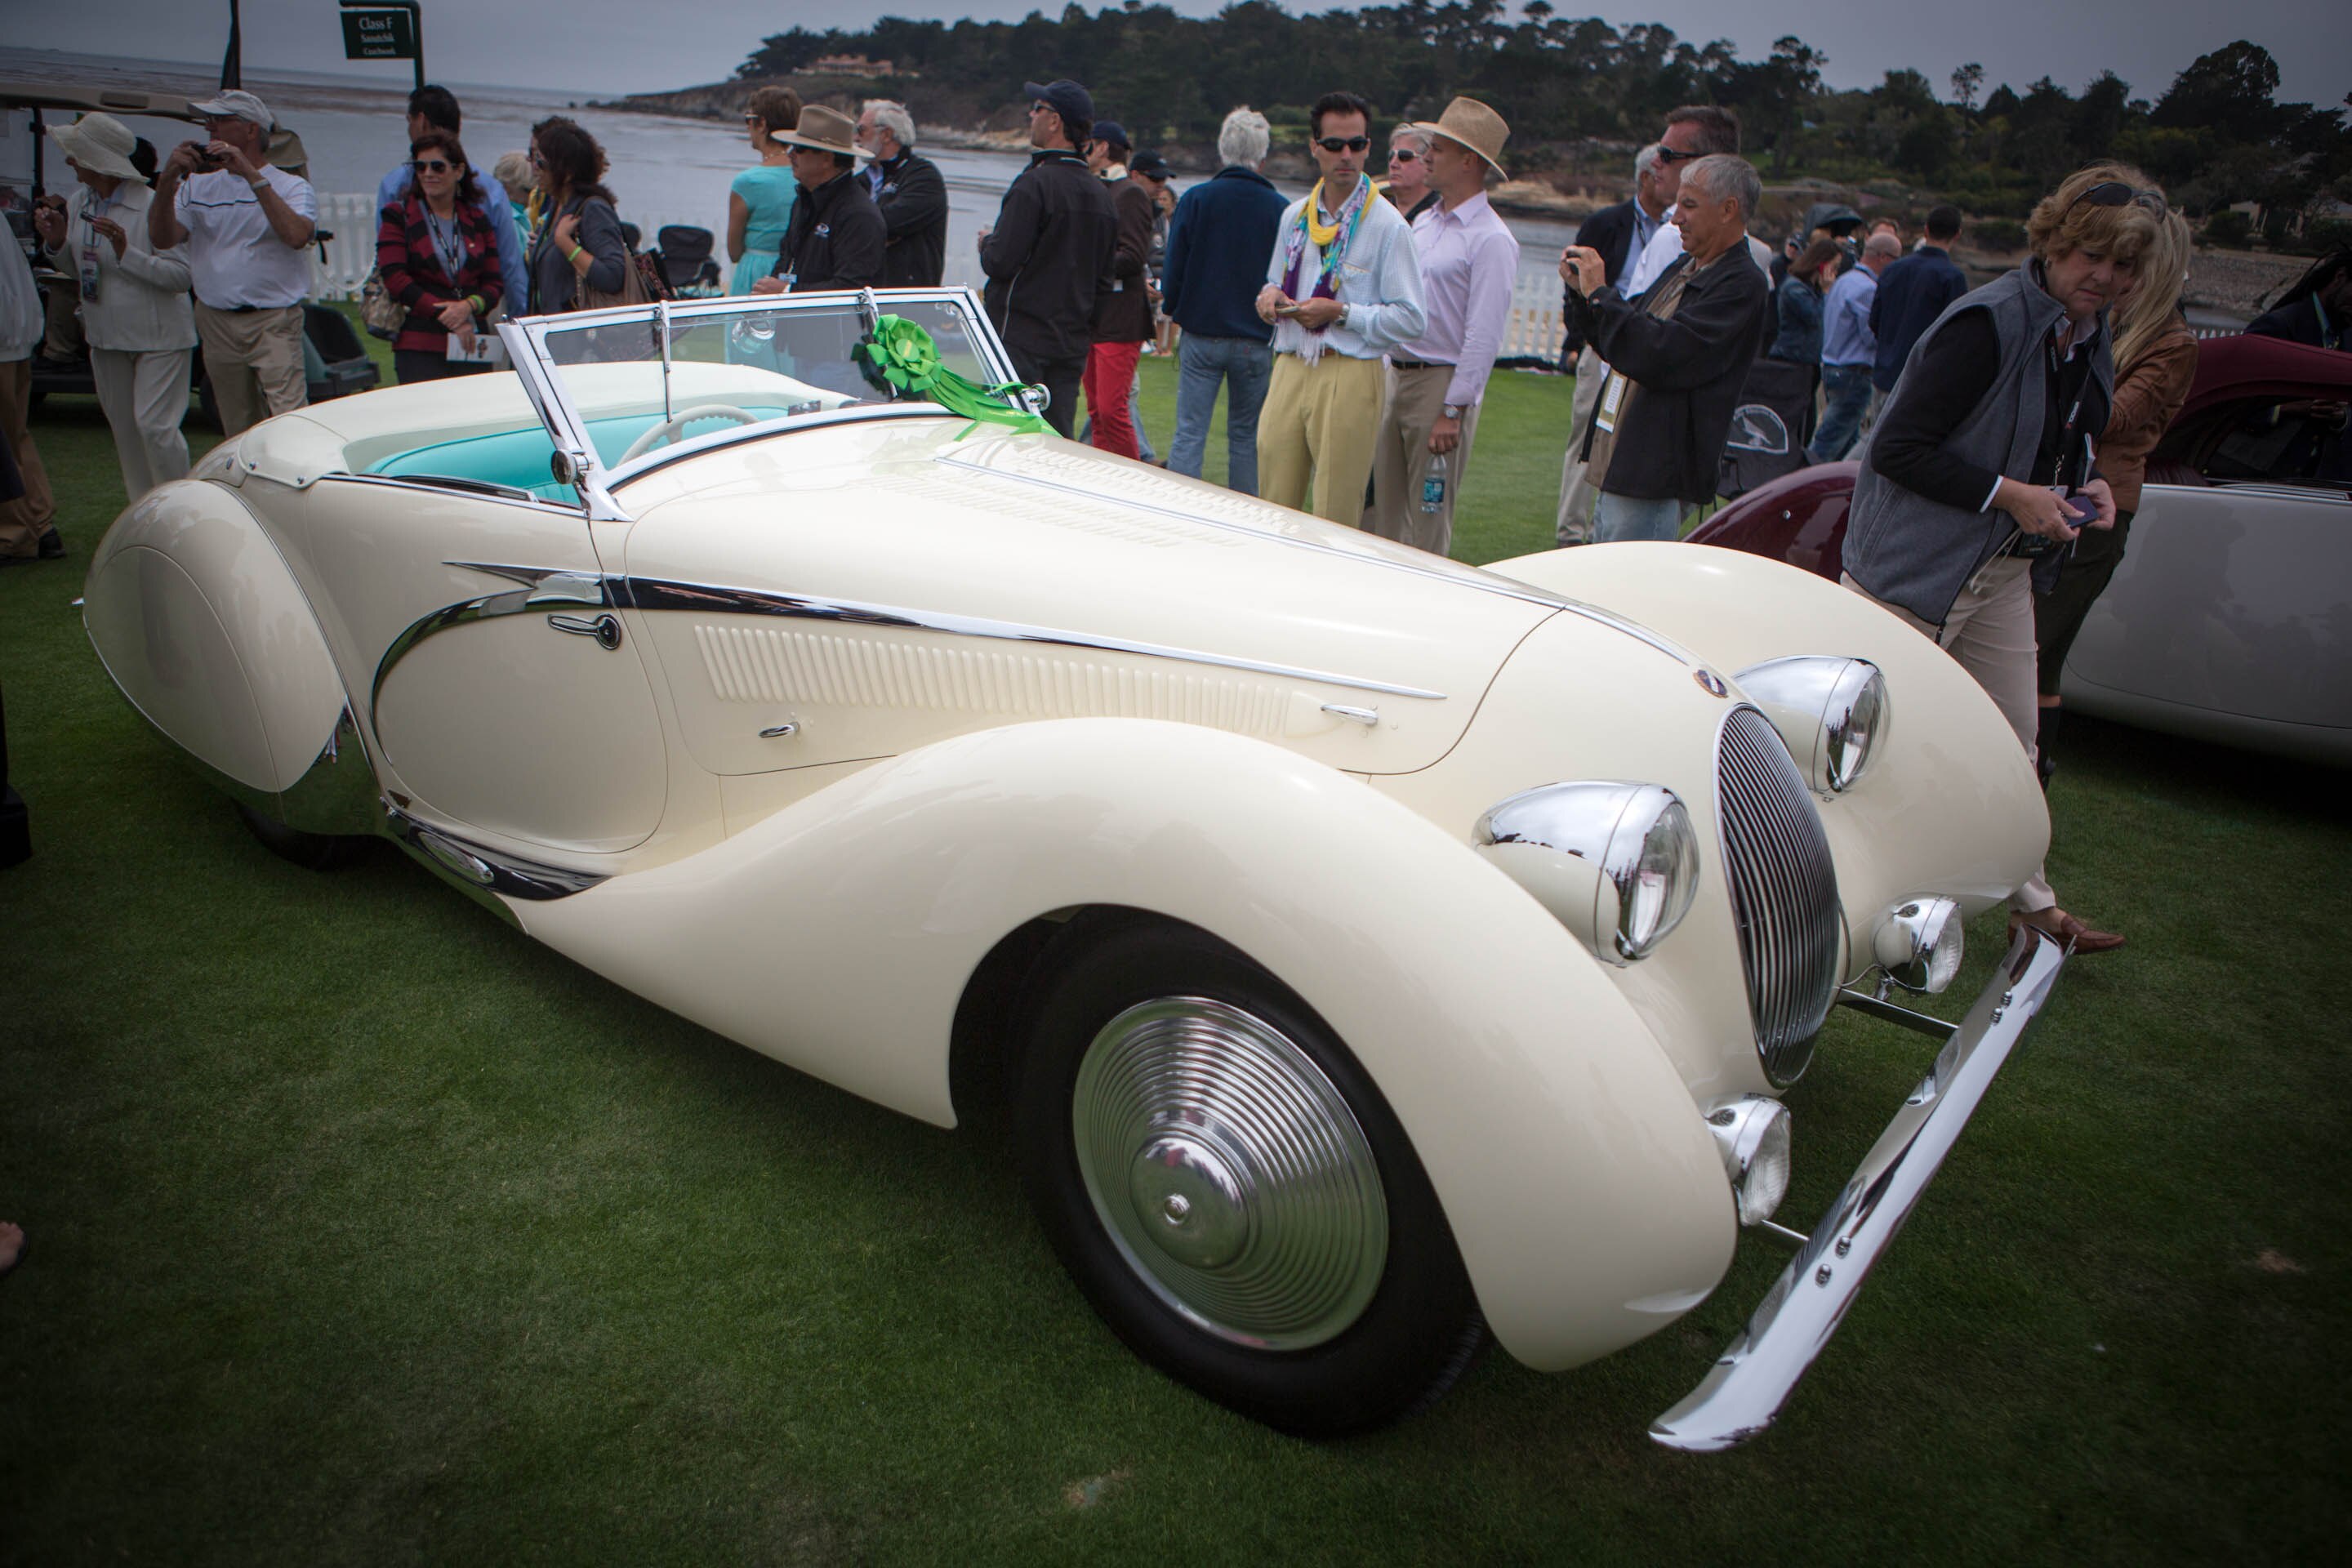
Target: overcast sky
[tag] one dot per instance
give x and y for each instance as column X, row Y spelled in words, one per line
column 620, row 45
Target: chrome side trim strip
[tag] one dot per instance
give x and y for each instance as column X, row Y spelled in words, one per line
column 1460, row 577
column 501, row 495
column 651, row 594
column 480, row 869
column 1741, row 1395
column 542, row 587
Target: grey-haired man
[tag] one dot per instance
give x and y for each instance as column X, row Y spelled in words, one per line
column 246, row 226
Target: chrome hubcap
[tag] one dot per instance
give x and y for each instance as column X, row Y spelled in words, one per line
column 1230, row 1172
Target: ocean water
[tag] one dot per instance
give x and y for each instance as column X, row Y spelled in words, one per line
column 664, row 170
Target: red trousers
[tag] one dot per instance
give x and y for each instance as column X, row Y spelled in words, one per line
column 1110, row 377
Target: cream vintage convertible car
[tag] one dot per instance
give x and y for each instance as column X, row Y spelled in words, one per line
column 1375, row 953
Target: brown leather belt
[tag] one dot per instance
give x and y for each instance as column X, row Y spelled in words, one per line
column 1418, row 363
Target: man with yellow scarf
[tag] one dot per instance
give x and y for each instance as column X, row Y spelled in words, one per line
column 1342, row 289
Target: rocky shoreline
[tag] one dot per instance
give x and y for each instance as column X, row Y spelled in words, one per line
column 2230, row 281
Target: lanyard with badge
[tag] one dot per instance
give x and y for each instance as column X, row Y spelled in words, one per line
column 93, row 205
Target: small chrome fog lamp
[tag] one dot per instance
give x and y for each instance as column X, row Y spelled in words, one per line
column 1617, row 863
column 1918, row 941
column 1834, row 713
column 1751, row 1133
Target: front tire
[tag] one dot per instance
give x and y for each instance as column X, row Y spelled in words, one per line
column 311, row 851
column 1231, row 1192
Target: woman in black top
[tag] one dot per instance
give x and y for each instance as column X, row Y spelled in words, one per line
column 1982, row 469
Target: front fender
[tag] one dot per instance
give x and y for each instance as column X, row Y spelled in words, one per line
column 838, row 935
column 1950, row 806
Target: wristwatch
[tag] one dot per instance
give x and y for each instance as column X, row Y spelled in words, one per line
column 1451, row 411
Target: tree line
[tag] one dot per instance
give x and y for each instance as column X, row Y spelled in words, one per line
column 2215, row 136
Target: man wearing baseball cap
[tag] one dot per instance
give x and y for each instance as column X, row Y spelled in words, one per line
column 246, row 225
column 1469, row 259
column 1048, row 255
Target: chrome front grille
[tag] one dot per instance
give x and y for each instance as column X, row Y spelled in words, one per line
column 1784, row 896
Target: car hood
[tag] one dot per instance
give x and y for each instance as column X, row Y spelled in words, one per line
column 924, row 540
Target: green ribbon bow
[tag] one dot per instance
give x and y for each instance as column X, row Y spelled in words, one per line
column 900, row 355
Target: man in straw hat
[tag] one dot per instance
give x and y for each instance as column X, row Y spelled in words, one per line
column 835, row 238
column 1342, row 288
column 246, row 224
column 1468, row 262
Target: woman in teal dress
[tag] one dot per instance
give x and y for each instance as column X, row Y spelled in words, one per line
column 759, row 202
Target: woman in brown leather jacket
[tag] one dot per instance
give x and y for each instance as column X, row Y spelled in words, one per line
column 2156, row 360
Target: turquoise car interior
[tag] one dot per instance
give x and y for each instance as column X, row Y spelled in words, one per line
column 517, row 460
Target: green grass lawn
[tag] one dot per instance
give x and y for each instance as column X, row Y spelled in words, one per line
column 362, row 1230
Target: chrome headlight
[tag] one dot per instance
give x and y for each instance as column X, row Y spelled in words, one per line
column 1616, row 863
column 1917, row 943
column 1751, row 1133
column 1834, row 713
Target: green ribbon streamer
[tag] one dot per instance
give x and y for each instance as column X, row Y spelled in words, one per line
column 900, row 355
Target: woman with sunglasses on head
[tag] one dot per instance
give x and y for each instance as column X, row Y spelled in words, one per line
column 439, row 258
column 2156, row 360
column 1982, row 468
column 579, row 243
column 760, row 201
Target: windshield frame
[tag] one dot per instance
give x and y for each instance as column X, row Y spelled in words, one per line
column 526, row 342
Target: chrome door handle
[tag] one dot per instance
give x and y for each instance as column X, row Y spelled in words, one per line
column 604, row 628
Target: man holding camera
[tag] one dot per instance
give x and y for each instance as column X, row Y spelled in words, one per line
column 246, row 226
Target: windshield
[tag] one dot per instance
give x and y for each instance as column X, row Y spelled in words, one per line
column 624, row 386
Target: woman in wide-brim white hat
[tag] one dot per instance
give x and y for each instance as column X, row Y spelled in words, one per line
column 134, row 308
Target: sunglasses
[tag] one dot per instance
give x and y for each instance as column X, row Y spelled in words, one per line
column 1344, row 144
column 1668, row 155
column 2116, row 194
column 1402, row 155
column 431, row 166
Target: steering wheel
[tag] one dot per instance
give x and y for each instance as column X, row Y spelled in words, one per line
column 669, row 428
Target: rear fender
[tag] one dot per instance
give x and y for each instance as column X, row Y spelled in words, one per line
column 196, row 618
column 838, row 935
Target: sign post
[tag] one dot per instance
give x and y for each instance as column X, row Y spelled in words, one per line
column 385, row 30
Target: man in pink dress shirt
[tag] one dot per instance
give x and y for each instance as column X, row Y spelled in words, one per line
column 1468, row 262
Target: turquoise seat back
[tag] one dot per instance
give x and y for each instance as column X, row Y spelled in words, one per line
column 519, row 459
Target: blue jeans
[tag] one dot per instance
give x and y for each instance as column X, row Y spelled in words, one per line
column 1203, row 365
column 1619, row 517
column 1846, row 389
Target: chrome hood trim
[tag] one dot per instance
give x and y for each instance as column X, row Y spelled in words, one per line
column 663, row 594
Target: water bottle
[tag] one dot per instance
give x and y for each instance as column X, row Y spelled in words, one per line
column 1433, row 485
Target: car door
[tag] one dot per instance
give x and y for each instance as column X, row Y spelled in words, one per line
column 2232, row 594
column 478, row 635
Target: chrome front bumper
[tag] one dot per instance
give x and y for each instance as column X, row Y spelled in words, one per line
column 1740, row 1396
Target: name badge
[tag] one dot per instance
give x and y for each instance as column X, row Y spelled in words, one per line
column 1613, row 403
column 824, row 231
column 88, row 273
column 486, row 350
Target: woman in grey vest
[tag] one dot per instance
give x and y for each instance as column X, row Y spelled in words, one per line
column 1982, row 469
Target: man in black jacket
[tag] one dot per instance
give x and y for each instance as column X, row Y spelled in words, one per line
column 1619, row 233
column 912, row 195
column 1049, row 257
column 834, row 238
column 1677, row 357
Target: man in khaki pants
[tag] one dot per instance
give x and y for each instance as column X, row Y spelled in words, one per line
column 246, row 226
column 1469, row 258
